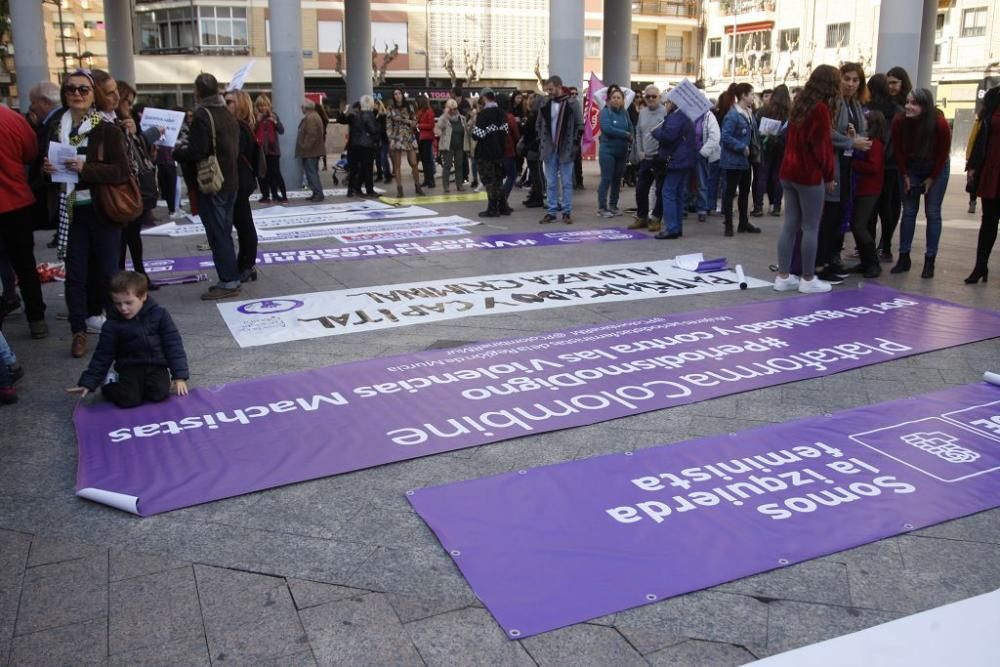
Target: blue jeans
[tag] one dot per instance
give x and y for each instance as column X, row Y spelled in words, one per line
column 708, row 185
column 932, row 201
column 612, row 171
column 217, row 215
column 310, row 165
column 510, row 175
column 674, row 189
column 7, row 356
column 556, row 172
column 643, row 182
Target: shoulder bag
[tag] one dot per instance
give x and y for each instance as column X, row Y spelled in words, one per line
column 121, row 203
column 209, row 172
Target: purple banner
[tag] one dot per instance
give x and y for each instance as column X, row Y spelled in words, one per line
column 399, row 248
column 557, row 545
column 232, row 439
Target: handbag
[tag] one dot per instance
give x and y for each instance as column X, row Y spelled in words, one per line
column 209, row 174
column 121, row 203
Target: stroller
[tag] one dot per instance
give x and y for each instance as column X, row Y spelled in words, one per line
column 340, row 169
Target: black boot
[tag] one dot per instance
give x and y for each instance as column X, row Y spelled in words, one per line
column 503, row 207
column 492, row 209
column 928, row 271
column 981, row 272
column 902, row 264
column 869, row 260
column 728, row 229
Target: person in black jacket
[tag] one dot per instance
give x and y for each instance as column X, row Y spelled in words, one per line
column 490, row 132
column 248, row 164
column 216, row 209
column 363, row 139
column 142, row 342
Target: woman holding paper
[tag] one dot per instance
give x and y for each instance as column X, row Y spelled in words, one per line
column 807, row 173
column 773, row 127
column 94, row 149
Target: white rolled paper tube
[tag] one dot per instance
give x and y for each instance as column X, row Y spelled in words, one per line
column 992, row 378
column 740, row 277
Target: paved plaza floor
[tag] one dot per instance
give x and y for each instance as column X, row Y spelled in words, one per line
column 341, row 571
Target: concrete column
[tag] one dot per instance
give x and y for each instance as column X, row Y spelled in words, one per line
column 118, row 28
column 358, row 35
column 899, row 36
column 616, row 43
column 32, row 65
column 288, row 87
column 928, row 30
column 566, row 40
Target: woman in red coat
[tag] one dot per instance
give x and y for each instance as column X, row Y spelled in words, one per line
column 984, row 167
column 425, row 140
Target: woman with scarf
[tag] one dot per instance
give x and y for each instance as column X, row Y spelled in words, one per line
column 247, row 162
column 402, row 131
column 88, row 127
column 267, row 129
column 615, row 139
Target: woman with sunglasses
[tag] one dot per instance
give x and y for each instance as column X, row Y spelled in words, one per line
column 88, row 242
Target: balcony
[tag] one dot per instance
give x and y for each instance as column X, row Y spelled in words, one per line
column 741, row 7
column 685, row 9
column 659, row 66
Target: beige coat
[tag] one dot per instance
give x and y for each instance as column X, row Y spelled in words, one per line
column 443, row 131
column 310, row 141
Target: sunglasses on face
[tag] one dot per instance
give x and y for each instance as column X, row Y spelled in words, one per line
column 82, row 91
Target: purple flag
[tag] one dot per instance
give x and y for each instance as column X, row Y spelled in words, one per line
column 557, row 545
column 232, row 439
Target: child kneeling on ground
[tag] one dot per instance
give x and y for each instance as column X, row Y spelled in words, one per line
column 140, row 338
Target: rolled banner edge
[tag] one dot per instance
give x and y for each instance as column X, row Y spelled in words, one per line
column 121, row 501
column 992, row 378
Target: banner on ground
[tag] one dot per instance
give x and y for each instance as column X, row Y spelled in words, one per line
column 270, row 212
column 404, row 248
column 401, row 234
column 231, row 439
column 552, row 546
column 338, row 312
column 378, row 223
column 174, row 230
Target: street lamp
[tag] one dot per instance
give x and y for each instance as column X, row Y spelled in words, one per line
column 62, row 34
column 427, row 44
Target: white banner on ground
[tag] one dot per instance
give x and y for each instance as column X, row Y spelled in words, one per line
column 689, row 99
column 166, row 118
column 174, row 230
column 289, row 211
column 401, row 235
column 305, row 194
column 335, row 230
column 318, row 314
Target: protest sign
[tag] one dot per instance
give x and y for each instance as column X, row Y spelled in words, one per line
column 689, row 99
column 170, row 120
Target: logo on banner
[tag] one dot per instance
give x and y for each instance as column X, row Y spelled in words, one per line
column 270, row 306
column 941, row 445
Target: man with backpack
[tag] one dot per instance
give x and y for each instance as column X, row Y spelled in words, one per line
column 213, row 145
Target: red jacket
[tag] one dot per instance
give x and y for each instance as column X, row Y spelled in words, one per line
column 904, row 143
column 18, row 148
column 513, row 136
column 425, row 123
column 870, row 168
column 809, row 149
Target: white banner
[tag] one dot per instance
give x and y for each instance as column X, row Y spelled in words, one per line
column 305, row 194
column 174, row 230
column 288, row 211
column 166, row 118
column 401, row 235
column 319, row 314
column 337, row 230
column 240, row 76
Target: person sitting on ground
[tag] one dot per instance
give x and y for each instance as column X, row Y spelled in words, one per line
column 142, row 342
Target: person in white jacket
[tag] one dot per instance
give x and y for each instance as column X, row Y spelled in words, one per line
column 707, row 134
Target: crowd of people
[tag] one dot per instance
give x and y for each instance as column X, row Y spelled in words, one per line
column 844, row 153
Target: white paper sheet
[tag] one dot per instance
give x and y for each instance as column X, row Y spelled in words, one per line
column 171, row 120
column 58, row 155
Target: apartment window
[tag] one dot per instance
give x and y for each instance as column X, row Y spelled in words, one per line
column 715, row 48
column 674, row 48
column 591, row 46
column 385, row 34
column 939, row 25
column 838, row 35
column 223, row 27
column 974, row 22
column 167, row 30
column 635, row 46
column 937, row 53
column 786, row 38
column 331, row 36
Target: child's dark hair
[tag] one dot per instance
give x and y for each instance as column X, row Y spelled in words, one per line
column 876, row 124
column 130, row 282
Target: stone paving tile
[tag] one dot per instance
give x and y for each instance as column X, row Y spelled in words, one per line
column 582, row 645
column 153, row 609
column 191, row 652
column 424, row 571
column 413, row 608
column 359, row 630
column 63, row 593
column 308, row 594
column 70, row 646
column 128, row 565
column 811, row 581
column 981, row 527
column 794, row 624
column 695, row 653
column 466, row 638
column 387, row 526
column 709, row 615
column 931, row 572
column 14, row 548
column 45, row 550
column 248, row 618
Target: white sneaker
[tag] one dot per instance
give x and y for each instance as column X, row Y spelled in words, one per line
column 814, row 286
column 94, row 323
column 789, row 284
column 605, row 213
